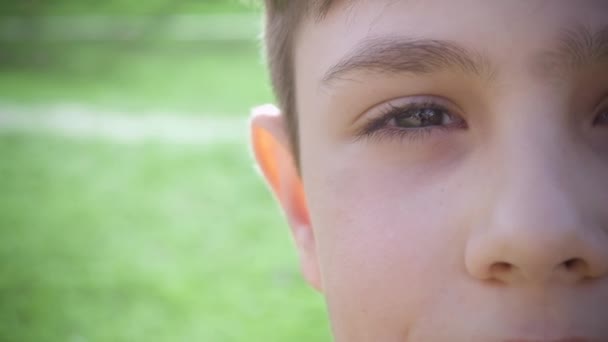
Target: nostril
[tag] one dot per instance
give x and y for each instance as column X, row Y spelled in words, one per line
column 501, row 272
column 571, row 263
column 501, row 267
column 576, row 265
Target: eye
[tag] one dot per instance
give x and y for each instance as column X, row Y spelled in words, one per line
column 413, row 120
column 421, row 117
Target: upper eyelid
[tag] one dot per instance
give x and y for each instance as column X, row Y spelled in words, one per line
column 393, row 111
column 436, row 101
column 375, row 106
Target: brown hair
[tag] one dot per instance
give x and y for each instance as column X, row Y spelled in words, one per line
column 283, row 18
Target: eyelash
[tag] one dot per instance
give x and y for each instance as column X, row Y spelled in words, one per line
column 379, row 128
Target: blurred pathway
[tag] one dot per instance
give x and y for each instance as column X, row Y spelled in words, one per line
column 85, row 123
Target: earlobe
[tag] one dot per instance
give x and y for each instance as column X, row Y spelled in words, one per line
column 270, row 143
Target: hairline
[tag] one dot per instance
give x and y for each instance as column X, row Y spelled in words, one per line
column 283, row 21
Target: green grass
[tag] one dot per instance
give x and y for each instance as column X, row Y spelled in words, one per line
column 226, row 78
column 106, row 242
column 76, row 7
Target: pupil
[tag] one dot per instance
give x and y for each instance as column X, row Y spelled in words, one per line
column 430, row 116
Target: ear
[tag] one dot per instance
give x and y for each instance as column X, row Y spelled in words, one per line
column 271, row 147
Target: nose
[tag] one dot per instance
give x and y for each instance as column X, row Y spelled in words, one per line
column 538, row 226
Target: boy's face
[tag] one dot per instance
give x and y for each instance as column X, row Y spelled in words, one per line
column 454, row 162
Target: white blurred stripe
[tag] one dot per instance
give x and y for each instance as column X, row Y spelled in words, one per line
column 111, row 28
column 85, row 123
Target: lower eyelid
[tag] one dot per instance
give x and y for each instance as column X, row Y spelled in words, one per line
column 389, row 133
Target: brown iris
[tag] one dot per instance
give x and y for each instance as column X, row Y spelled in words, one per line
column 420, row 117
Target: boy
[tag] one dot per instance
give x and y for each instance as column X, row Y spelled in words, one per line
column 442, row 164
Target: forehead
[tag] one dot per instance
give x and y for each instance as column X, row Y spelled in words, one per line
column 508, row 32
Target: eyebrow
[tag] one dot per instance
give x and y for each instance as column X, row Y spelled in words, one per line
column 416, row 56
column 576, row 48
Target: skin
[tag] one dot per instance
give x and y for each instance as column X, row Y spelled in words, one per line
column 495, row 229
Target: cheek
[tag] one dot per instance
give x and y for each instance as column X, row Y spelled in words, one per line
column 385, row 237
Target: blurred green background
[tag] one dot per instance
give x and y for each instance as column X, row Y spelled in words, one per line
column 130, row 209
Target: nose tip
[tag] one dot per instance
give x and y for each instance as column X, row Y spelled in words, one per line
column 568, row 256
column 541, row 224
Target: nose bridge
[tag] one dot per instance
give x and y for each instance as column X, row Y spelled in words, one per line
column 535, row 171
column 536, row 183
column 535, row 226
column 535, row 217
